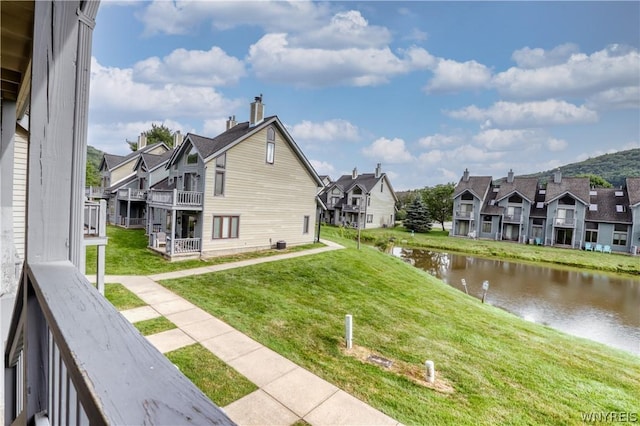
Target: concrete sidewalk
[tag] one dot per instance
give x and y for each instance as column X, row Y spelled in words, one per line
column 287, row 392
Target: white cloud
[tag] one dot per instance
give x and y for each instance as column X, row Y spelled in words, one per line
column 326, row 131
column 322, row 167
column 618, row 98
column 452, row 76
column 213, row 127
column 503, row 140
column 114, row 92
column 581, row 75
column 556, row 145
column 178, row 17
column 537, row 58
column 392, row 151
column 191, row 67
column 345, row 29
column 112, row 137
column 527, row 114
column 439, row 140
column 272, row 59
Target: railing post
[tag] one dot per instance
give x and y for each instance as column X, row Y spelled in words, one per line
column 175, row 197
column 35, row 356
column 102, row 233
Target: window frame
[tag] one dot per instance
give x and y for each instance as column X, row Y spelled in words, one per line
column 306, row 221
column 232, row 232
column 271, row 152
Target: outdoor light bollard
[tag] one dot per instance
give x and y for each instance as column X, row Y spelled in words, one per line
column 431, row 371
column 348, row 330
column 485, row 287
column 464, row 284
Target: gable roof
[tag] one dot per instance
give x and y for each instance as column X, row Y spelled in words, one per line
column 476, row 185
column 525, row 187
column 606, row 200
column 633, row 190
column 209, row 148
column 366, row 181
column 115, row 161
column 153, row 161
column 111, row 160
column 577, row 187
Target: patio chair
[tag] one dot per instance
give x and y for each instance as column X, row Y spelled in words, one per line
column 599, row 247
column 606, row 249
column 161, row 239
column 588, row 247
column 538, row 241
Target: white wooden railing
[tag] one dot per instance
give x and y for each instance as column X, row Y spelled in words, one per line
column 132, row 194
column 175, row 198
column 95, row 218
column 72, row 359
column 183, row 245
column 94, row 192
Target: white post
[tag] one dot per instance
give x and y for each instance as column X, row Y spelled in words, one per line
column 464, row 284
column 431, row 371
column 485, row 287
column 348, row 326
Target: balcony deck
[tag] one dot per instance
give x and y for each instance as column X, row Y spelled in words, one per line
column 185, row 200
column 130, row 194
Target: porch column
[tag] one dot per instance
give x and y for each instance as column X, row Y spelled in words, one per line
column 173, row 230
column 128, row 207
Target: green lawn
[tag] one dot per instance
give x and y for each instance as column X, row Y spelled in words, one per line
column 617, row 263
column 127, row 254
column 121, row 298
column 153, row 326
column 501, row 369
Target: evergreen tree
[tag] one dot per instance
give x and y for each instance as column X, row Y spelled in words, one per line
column 418, row 219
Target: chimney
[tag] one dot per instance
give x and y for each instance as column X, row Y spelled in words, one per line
column 231, row 122
column 142, row 141
column 354, row 173
column 557, row 176
column 257, row 111
column 177, row 139
column 465, row 175
column 378, row 170
column 510, row 176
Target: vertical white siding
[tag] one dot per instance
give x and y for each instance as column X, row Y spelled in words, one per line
column 271, row 199
column 382, row 205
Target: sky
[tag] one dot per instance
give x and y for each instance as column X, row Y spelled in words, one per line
column 427, row 89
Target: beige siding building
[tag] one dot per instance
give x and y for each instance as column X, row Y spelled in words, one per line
column 249, row 188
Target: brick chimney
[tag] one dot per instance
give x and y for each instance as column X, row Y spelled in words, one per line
column 256, row 114
column 231, row 122
column 510, row 176
column 378, row 170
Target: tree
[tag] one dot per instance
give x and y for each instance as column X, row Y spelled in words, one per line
column 158, row 133
column 418, row 219
column 92, row 177
column 596, row 181
column 439, row 202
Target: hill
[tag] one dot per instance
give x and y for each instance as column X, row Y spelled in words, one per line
column 94, row 156
column 614, row 168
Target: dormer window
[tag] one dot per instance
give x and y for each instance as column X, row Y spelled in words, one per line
column 271, row 145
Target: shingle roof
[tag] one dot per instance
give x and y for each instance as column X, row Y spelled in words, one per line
column 524, row 186
column 164, row 184
column 576, row 186
column 153, row 160
column 115, row 160
column 208, row 146
column 477, row 185
column 607, row 206
column 112, row 160
column 633, row 190
column 367, row 180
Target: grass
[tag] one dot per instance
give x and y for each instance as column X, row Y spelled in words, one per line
column 221, row 383
column 615, row 262
column 502, row 370
column 127, row 254
column 153, row 326
column 122, row 298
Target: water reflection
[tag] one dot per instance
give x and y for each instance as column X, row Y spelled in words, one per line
column 596, row 306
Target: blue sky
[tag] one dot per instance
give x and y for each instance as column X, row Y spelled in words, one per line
column 425, row 88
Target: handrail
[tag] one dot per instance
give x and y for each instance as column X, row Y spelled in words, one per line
column 84, row 358
column 175, row 198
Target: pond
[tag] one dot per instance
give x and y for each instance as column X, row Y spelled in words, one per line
column 596, row 306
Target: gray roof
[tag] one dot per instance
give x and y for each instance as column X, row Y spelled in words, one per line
column 113, row 161
column 154, row 160
column 607, row 203
column 524, row 186
column 578, row 187
column 368, row 181
column 633, row 190
column 477, row 185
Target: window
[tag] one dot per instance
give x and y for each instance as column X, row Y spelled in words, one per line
column 218, row 185
column 305, row 225
column 619, row 193
column 369, row 202
column 620, row 208
column 192, row 157
column 486, row 224
column 369, row 218
column 540, row 205
column 542, row 192
column 593, row 207
column 593, row 193
column 620, row 235
column 271, row 145
column 382, row 187
column 225, row 227
column 591, row 234
column 271, row 152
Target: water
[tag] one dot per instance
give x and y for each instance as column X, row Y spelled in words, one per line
column 600, row 307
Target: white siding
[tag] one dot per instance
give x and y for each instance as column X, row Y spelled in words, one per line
column 19, row 190
column 271, row 199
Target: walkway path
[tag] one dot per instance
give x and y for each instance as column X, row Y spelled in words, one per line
column 287, row 392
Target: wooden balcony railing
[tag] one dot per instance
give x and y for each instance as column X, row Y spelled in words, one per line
column 132, row 222
column 95, row 219
column 71, row 358
column 132, row 194
column 459, row 214
column 175, row 198
column 565, row 222
column 183, row 245
column 95, row 192
column 513, row 218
